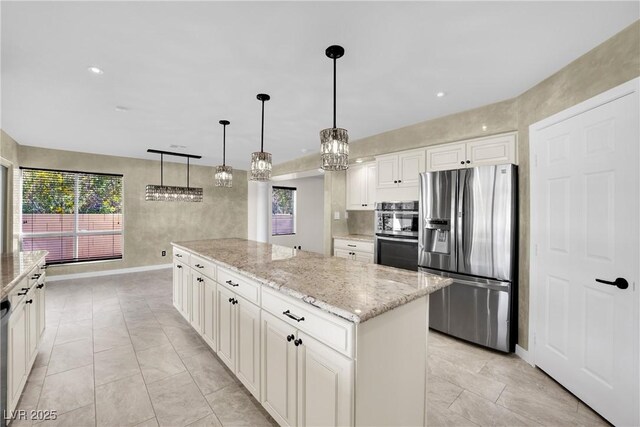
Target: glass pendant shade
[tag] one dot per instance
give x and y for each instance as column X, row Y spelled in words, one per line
column 165, row 193
column 224, row 176
column 334, row 149
column 260, row 166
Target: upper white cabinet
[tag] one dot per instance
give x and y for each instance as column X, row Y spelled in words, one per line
column 401, row 169
column 492, row 150
column 361, row 186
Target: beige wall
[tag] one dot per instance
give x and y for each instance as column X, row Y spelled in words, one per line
column 9, row 155
column 149, row 227
column 361, row 222
column 612, row 63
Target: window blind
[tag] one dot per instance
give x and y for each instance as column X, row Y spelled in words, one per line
column 76, row 216
column 283, row 209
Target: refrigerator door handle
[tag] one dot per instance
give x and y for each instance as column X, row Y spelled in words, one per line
column 459, row 212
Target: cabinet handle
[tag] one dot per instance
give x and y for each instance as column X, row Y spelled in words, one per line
column 40, row 286
column 22, row 293
column 468, row 161
column 36, row 276
column 235, row 301
column 28, row 301
column 179, row 266
column 462, row 162
column 290, row 337
column 399, row 181
column 352, row 246
column 231, row 300
column 200, row 279
column 395, row 182
column 230, row 283
column 298, row 342
column 199, row 266
column 44, row 267
column 293, row 316
column 179, row 256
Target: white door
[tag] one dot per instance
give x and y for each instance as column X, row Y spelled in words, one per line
column 370, row 177
column 226, row 326
column 387, row 171
column 195, row 317
column 279, row 369
column 446, row 157
column 185, row 291
column 341, row 253
column 411, row 165
column 325, row 379
column 248, row 347
column 362, row 257
column 492, row 151
column 17, row 353
column 584, row 215
column 209, row 313
column 355, row 188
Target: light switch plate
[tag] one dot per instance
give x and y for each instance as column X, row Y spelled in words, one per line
column 336, row 215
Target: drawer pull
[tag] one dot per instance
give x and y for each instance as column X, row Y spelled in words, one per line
column 22, row 293
column 36, row 276
column 199, row 266
column 200, row 279
column 179, row 256
column 352, row 246
column 293, row 316
column 179, row 266
column 230, row 283
column 40, row 286
column 298, row 342
column 290, row 337
column 29, row 301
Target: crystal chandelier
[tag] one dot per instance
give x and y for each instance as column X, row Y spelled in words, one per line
column 164, row 193
column 261, row 161
column 334, row 142
column 224, row 173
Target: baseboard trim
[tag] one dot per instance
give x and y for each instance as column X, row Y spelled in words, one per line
column 107, row 272
column 524, row 355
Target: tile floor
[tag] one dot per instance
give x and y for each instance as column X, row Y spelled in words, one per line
column 117, row 353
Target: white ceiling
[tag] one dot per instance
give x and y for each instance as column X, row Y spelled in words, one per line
column 180, row 67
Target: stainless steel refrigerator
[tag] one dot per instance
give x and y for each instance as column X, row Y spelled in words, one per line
column 468, row 232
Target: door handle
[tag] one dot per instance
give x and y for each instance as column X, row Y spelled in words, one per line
column 293, row 316
column 620, row 283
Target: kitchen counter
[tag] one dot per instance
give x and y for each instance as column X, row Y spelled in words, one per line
column 15, row 266
column 352, row 290
column 357, row 237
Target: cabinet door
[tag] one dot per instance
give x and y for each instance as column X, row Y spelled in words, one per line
column 32, row 326
column 209, row 313
column 42, row 316
column 17, row 354
column 341, row 253
column 355, row 188
column 363, row 257
column 370, row 177
column 492, row 151
column 278, row 370
column 445, row 157
column 177, row 285
column 328, row 399
column 185, row 286
column 387, row 171
column 195, row 315
column 226, row 326
column 248, row 347
column 411, row 165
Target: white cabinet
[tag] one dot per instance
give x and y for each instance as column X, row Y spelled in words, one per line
column 494, row 150
column 209, row 313
column 41, row 305
column 239, row 337
column 400, row 169
column 177, row 285
column 361, row 186
column 195, row 304
column 17, row 353
column 33, row 337
column 304, row 382
column 355, row 250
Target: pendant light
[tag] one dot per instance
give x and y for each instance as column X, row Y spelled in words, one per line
column 224, row 173
column 261, row 161
column 334, row 142
column 165, row 193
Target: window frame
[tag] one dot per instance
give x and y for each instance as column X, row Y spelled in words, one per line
column 76, row 234
column 295, row 209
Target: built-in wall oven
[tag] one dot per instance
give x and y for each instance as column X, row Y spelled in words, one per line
column 396, row 242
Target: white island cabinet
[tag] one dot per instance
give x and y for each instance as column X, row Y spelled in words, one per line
column 354, row 356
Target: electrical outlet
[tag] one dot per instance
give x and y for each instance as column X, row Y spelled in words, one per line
column 164, row 253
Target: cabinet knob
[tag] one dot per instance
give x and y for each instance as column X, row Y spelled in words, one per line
column 179, row 266
column 179, row 256
column 200, row 279
column 399, row 181
column 298, row 342
column 40, row 286
column 462, row 162
column 290, row 337
column 29, row 301
column 235, row 301
column 468, row 161
column 395, row 181
column 231, row 300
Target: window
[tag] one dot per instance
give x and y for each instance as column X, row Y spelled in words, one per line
column 76, row 216
column 283, row 211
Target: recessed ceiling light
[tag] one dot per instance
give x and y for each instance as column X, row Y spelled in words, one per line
column 440, row 94
column 121, row 109
column 358, row 160
column 95, row 70
column 484, row 127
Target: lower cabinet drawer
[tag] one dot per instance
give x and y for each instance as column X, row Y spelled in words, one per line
column 329, row 329
column 353, row 245
column 203, row 266
column 181, row 255
column 241, row 285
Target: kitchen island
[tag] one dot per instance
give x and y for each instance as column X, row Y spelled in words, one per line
column 317, row 340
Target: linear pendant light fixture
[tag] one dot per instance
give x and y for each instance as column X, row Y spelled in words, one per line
column 334, row 142
column 164, row 193
column 224, row 173
column 261, row 161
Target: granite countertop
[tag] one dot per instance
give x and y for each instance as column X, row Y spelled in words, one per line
column 352, row 290
column 15, row 266
column 358, row 237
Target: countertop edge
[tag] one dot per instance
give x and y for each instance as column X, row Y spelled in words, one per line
column 355, row 237
column 8, row 288
column 328, row 308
